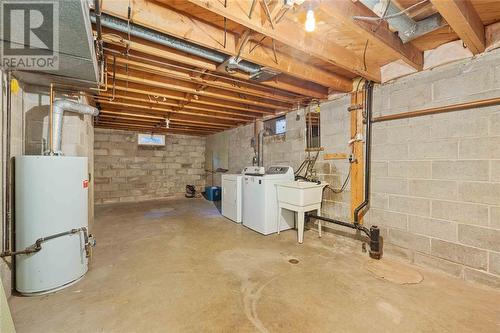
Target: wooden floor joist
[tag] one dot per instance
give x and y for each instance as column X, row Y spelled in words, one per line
column 159, row 92
column 159, row 17
column 174, row 57
column 189, row 77
column 152, row 80
column 127, row 101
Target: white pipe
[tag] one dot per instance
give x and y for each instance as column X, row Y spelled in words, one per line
column 57, row 120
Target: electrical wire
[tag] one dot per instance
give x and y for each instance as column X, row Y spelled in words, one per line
column 368, row 18
column 364, row 57
column 344, row 185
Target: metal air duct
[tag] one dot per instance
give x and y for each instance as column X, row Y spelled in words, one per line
column 138, row 31
column 408, row 29
column 57, row 120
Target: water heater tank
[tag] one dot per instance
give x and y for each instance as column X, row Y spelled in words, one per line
column 51, row 197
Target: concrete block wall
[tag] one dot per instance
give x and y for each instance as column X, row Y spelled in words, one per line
column 234, row 146
column 435, row 179
column 127, row 172
column 436, row 190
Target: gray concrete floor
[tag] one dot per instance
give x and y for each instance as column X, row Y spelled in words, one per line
column 178, row 266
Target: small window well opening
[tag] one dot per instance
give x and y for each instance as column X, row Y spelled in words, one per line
column 150, row 140
column 276, row 126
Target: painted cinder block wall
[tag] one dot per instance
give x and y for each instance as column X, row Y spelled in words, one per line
column 435, row 179
column 126, row 172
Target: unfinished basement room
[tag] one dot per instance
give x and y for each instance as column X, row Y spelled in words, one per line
column 250, row 166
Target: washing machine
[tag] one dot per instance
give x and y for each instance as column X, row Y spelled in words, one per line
column 231, row 196
column 260, row 202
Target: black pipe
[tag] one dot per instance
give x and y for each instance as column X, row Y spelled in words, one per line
column 373, row 233
column 344, row 224
column 368, row 148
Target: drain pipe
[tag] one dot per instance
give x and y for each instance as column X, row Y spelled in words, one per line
column 59, row 107
column 135, row 30
column 368, row 149
column 374, row 232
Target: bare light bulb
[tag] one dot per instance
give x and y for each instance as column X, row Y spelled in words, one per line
column 310, row 21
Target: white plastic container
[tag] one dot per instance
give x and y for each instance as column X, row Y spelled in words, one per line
column 300, row 193
column 51, row 196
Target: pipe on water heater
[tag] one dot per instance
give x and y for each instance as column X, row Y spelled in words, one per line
column 59, row 107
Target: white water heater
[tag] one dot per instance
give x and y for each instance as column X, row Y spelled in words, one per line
column 51, row 198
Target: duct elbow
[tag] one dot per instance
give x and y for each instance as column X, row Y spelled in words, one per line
column 62, row 105
column 59, row 107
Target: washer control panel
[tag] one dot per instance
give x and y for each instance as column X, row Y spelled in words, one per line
column 277, row 170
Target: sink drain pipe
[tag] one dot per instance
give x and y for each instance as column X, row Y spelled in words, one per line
column 374, row 232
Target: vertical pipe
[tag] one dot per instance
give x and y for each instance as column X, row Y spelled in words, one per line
column 51, row 120
column 7, row 178
column 368, row 103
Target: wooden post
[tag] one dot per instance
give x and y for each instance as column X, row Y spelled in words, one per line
column 357, row 132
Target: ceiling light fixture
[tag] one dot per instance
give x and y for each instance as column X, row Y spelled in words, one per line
column 310, row 21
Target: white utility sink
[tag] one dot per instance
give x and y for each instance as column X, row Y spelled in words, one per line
column 300, row 193
column 301, row 197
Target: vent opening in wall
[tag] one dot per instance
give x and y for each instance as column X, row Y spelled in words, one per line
column 150, row 140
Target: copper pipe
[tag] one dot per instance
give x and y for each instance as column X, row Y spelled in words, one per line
column 440, row 109
column 51, row 120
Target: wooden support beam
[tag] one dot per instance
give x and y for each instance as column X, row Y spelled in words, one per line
column 202, row 119
column 185, row 76
column 283, row 82
column 464, row 20
column 129, row 102
column 343, row 11
column 293, row 35
column 157, row 81
column 109, row 112
column 148, row 129
column 152, row 126
column 157, row 125
column 357, row 167
column 153, row 119
column 336, row 156
column 170, row 110
column 161, row 18
column 153, row 91
column 144, row 100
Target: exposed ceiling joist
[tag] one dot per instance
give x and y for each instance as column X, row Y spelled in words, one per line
column 343, row 12
column 330, row 52
column 198, row 79
column 160, row 52
column 158, row 100
column 154, row 80
column 123, row 125
column 195, row 119
column 464, row 20
column 117, row 116
column 222, row 107
column 166, row 20
column 128, row 105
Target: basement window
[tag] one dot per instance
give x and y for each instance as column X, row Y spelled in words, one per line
column 276, row 126
column 150, row 140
